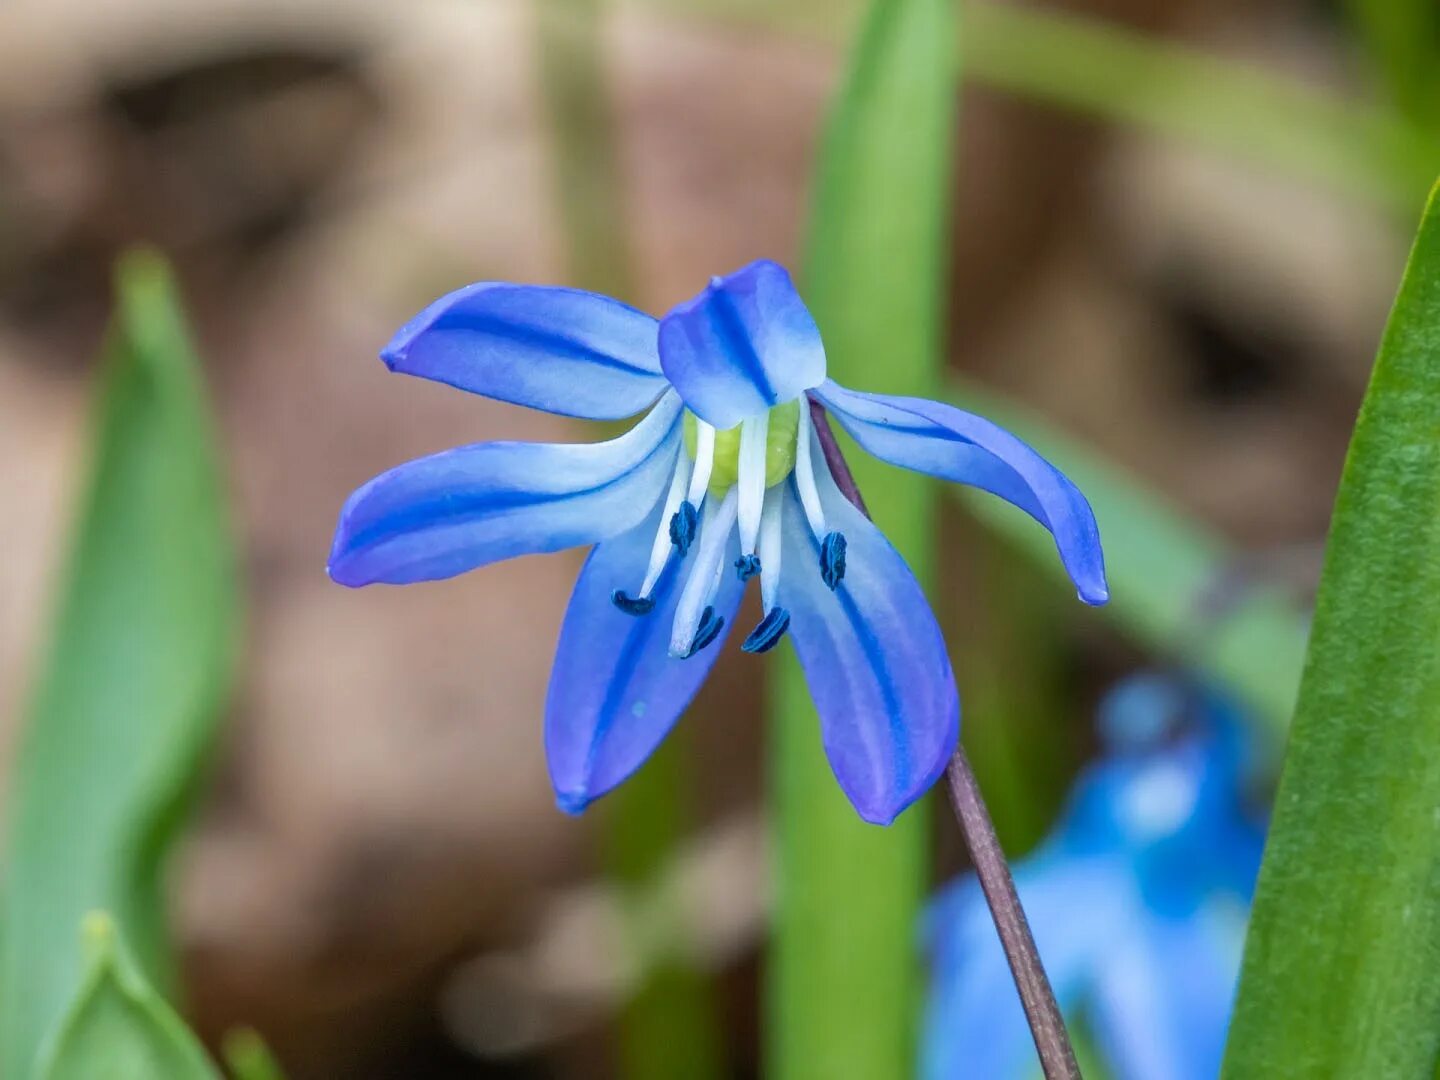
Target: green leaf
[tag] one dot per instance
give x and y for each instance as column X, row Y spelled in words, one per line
column 136, row 675
column 1339, row 978
column 248, row 1058
column 118, row 1028
column 844, row 989
column 1162, row 564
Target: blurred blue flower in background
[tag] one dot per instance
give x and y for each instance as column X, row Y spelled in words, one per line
column 723, row 480
column 1137, row 901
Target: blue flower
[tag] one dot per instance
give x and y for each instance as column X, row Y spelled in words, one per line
column 722, row 481
column 1137, row 903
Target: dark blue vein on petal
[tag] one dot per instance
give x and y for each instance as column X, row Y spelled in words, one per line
column 735, row 339
column 450, row 508
column 542, row 339
column 871, row 645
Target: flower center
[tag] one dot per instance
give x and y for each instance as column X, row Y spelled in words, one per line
column 784, row 422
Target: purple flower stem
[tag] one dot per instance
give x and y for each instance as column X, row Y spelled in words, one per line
column 1047, row 1026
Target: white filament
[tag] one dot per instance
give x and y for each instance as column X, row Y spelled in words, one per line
column 770, row 546
column 750, row 479
column 805, row 474
column 704, row 462
column 660, row 550
column 704, row 574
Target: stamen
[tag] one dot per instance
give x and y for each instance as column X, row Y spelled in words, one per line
column 770, row 548
column 805, row 472
column 747, row 566
column 750, row 478
column 704, row 462
column 706, row 571
column 682, row 527
column 660, row 549
column 710, row 627
column 768, row 633
column 632, row 605
column 832, row 559
column 772, row 627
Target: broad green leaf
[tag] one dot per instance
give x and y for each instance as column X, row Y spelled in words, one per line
column 1098, row 68
column 1163, row 566
column 118, row 1028
column 1341, row 962
column 248, row 1058
column 135, row 677
column 844, row 989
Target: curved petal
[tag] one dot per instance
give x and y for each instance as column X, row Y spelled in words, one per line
column 615, row 691
column 453, row 511
column 1162, row 999
column 744, row 345
column 975, row 1026
column 561, row 350
column 943, row 441
column 874, row 659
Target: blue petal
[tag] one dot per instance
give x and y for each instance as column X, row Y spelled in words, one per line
column 874, row 659
column 744, row 345
column 944, row 441
column 1162, row 998
column 459, row 509
column 975, row 1026
column 562, row 350
column 614, row 690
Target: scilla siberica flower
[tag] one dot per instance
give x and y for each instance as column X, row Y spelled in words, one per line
column 1137, row 903
column 722, row 481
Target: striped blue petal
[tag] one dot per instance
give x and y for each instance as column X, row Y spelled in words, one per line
column 954, row 445
column 615, row 691
column 744, row 345
column 463, row 508
column 874, row 660
column 564, row 351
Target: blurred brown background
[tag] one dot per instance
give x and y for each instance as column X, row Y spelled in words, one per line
column 380, row 882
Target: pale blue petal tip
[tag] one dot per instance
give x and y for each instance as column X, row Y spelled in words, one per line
column 572, row 802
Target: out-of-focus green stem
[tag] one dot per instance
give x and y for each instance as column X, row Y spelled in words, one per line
column 585, row 167
column 844, row 978
column 669, row 1029
column 1123, row 76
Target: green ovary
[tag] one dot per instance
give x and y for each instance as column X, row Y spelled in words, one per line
column 779, row 447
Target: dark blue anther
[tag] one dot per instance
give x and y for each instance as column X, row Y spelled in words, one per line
column 832, row 559
column 768, row 633
column 632, row 605
column 682, row 527
column 709, row 630
column 747, row 566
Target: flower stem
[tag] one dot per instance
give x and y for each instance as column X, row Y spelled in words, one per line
column 1047, row 1026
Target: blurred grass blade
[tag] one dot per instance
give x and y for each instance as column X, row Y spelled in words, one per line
column 1403, row 38
column 1122, row 75
column 669, row 1028
column 118, row 1028
column 844, row 988
column 1340, row 973
column 248, row 1058
column 1119, row 75
column 1161, row 564
column 136, row 675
